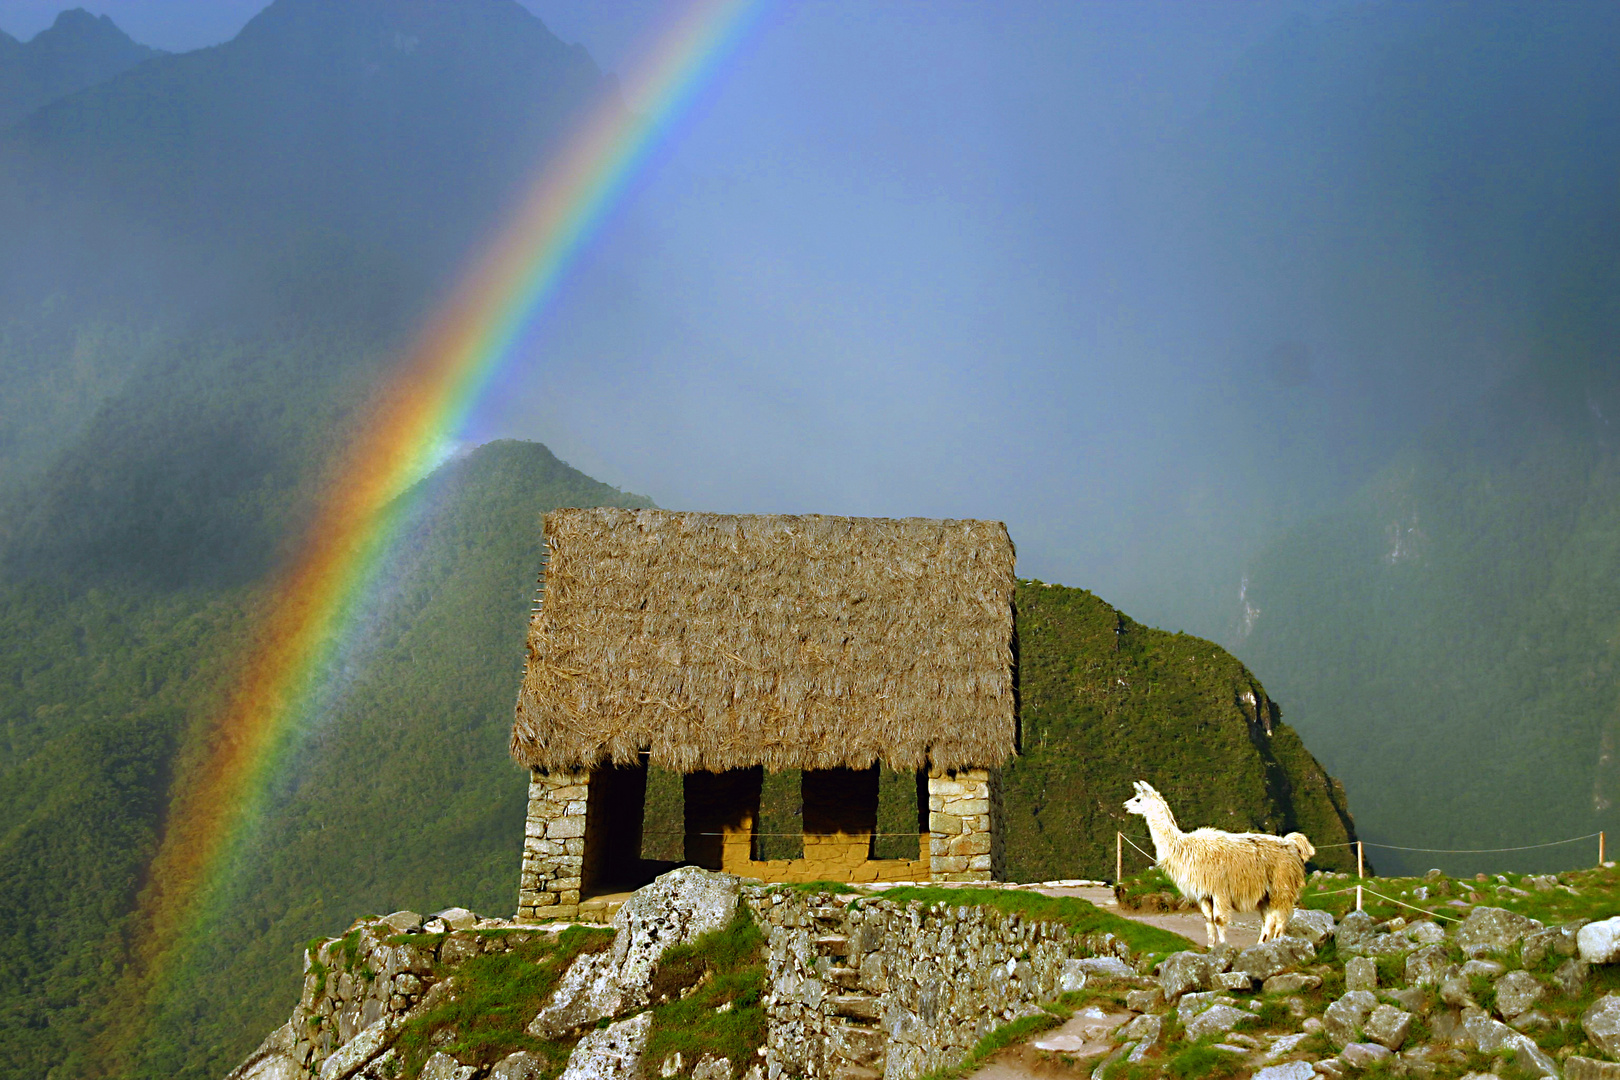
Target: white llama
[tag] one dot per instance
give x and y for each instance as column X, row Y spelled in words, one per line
column 1224, row 872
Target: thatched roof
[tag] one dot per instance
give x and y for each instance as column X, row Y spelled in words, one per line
column 716, row 642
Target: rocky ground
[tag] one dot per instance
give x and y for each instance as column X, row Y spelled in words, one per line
column 1456, row 986
column 680, row 986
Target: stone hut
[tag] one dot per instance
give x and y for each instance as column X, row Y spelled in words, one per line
column 724, row 647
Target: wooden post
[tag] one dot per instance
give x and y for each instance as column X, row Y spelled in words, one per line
column 1600, row 847
column 1360, row 863
column 1119, row 857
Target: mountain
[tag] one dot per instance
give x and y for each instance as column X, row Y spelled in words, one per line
column 79, row 50
column 1104, row 701
column 1449, row 634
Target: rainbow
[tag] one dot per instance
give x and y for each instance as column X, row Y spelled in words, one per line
column 423, row 406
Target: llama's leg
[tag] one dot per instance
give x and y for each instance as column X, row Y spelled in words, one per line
column 1223, row 912
column 1268, row 920
column 1207, row 906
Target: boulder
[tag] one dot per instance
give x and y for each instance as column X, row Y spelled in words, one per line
column 1184, row 971
column 403, row 922
column 1231, row 980
column 1288, row 1070
column 1552, row 941
column 1516, row 992
column 1072, row 978
column 710, row 1067
column 1191, row 1005
column 1108, row 966
column 456, row 918
column 1492, row 929
column 275, row 1067
column 1343, row 1019
column 1585, row 1068
column 1414, row 999
column 1388, row 1026
column 441, row 1066
column 1362, row 1055
column 1534, row 1020
column 1274, row 957
column 1291, row 983
column 1570, row 977
column 1424, row 933
column 1599, row 942
column 1312, row 925
column 1489, row 1036
column 522, row 1065
column 1216, row 1018
column 611, row 1053
column 1360, row 973
column 1145, row 1030
column 1143, row 1000
column 1490, row 969
column 1601, row 1022
column 1429, row 964
column 349, row 1058
column 675, row 909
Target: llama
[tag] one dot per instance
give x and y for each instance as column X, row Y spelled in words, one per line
column 1224, row 872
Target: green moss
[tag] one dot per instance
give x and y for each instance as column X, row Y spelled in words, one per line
column 495, row 996
column 714, row 988
column 1080, row 916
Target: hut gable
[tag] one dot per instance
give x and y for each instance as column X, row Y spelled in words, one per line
column 718, row 642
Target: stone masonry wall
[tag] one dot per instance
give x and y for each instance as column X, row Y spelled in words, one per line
column 896, row 990
column 553, row 846
column 963, row 808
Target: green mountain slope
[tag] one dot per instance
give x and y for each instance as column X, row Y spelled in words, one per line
column 1105, row 700
column 1450, row 635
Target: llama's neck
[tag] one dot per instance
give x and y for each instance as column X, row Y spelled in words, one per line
column 1162, row 827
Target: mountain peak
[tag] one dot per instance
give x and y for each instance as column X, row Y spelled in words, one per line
column 77, row 51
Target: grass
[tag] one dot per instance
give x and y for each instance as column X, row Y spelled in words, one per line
column 1080, row 916
column 709, row 998
column 1002, row 1037
column 1204, row 1060
column 495, row 997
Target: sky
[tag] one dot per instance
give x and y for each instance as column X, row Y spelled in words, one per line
column 1008, row 261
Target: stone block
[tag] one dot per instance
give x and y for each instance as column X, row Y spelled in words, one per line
column 983, row 864
column 1343, row 1019
column 949, row 864
column 1601, row 1021
column 970, row 844
column 1360, row 973
column 572, row 883
column 944, row 823
column 574, row 846
column 1585, row 1068
column 966, row 807
column 566, row 828
column 1388, row 1026
column 1599, row 942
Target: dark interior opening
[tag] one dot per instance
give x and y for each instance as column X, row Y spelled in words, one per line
column 717, row 802
column 613, row 861
column 840, row 801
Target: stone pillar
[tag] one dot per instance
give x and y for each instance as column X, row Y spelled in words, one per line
column 553, row 845
column 963, row 819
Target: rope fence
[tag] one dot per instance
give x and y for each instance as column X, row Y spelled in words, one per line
column 1120, row 839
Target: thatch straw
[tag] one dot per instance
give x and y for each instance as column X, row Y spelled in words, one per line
column 717, row 642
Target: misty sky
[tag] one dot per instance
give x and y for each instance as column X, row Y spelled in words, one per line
column 972, row 260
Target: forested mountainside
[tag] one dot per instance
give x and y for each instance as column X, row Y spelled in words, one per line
column 1458, row 619
column 77, row 51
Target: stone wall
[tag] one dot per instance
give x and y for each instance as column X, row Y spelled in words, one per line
column 964, row 818
column 553, row 845
column 897, row 990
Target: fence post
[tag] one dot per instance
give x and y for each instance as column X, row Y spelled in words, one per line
column 1359, row 874
column 1119, row 857
column 1600, row 847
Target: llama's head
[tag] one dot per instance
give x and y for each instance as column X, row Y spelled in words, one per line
column 1145, row 801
